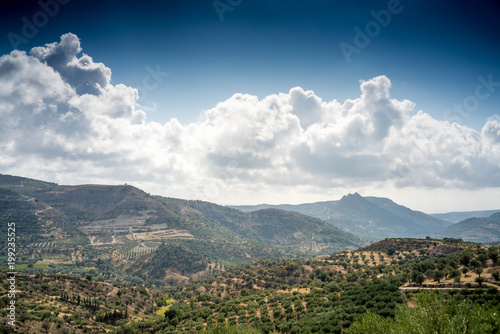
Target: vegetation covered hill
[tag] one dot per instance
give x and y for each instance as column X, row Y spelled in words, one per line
column 23, row 185
column 483, row 230
column 429, row 247
column 328, row 294
column 456, row 217
column 372, row 218
column 55, row 303
column 279, row 227
column 149, row 237
column 370, row 290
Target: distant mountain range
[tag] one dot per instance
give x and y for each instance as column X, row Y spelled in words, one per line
column 118, row 220
column 477, row 229
column 372, row 218
column 455, row 217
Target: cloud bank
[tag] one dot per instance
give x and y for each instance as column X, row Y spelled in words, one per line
column 62, row 120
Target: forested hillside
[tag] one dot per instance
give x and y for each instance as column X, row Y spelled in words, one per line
column 370, row 290
column 150, row 238
column 484, row 230
column 456, row 217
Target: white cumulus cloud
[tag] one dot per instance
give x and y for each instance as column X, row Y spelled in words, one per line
column 62, row 120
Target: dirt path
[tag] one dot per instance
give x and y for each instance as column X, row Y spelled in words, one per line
column 40, row 211
column 114, row 292
column 404, row 288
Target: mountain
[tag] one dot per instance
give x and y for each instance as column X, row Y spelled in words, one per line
column 23, row 185
column 475, row 229
column 153, row 237
column 455, row 217
column 372, row 218
column 279, row 227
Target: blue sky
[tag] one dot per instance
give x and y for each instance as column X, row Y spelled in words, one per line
column 433, row 51
column 256, row 101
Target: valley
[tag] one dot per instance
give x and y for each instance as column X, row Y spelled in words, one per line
column 96, row 258
column 331, row 293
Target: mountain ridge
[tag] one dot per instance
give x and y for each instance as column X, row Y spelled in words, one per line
column 374, row 218
column 458, row 216
column 153, row 237
column 476, row 229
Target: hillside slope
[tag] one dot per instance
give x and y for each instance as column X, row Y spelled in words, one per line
column 279, row 227
column 482, row 230
column 154, row 237
column 456, row 217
